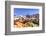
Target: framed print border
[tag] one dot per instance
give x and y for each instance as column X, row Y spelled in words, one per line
column 8, row 17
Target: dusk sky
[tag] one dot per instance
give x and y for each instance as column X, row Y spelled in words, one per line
column 24, row 11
